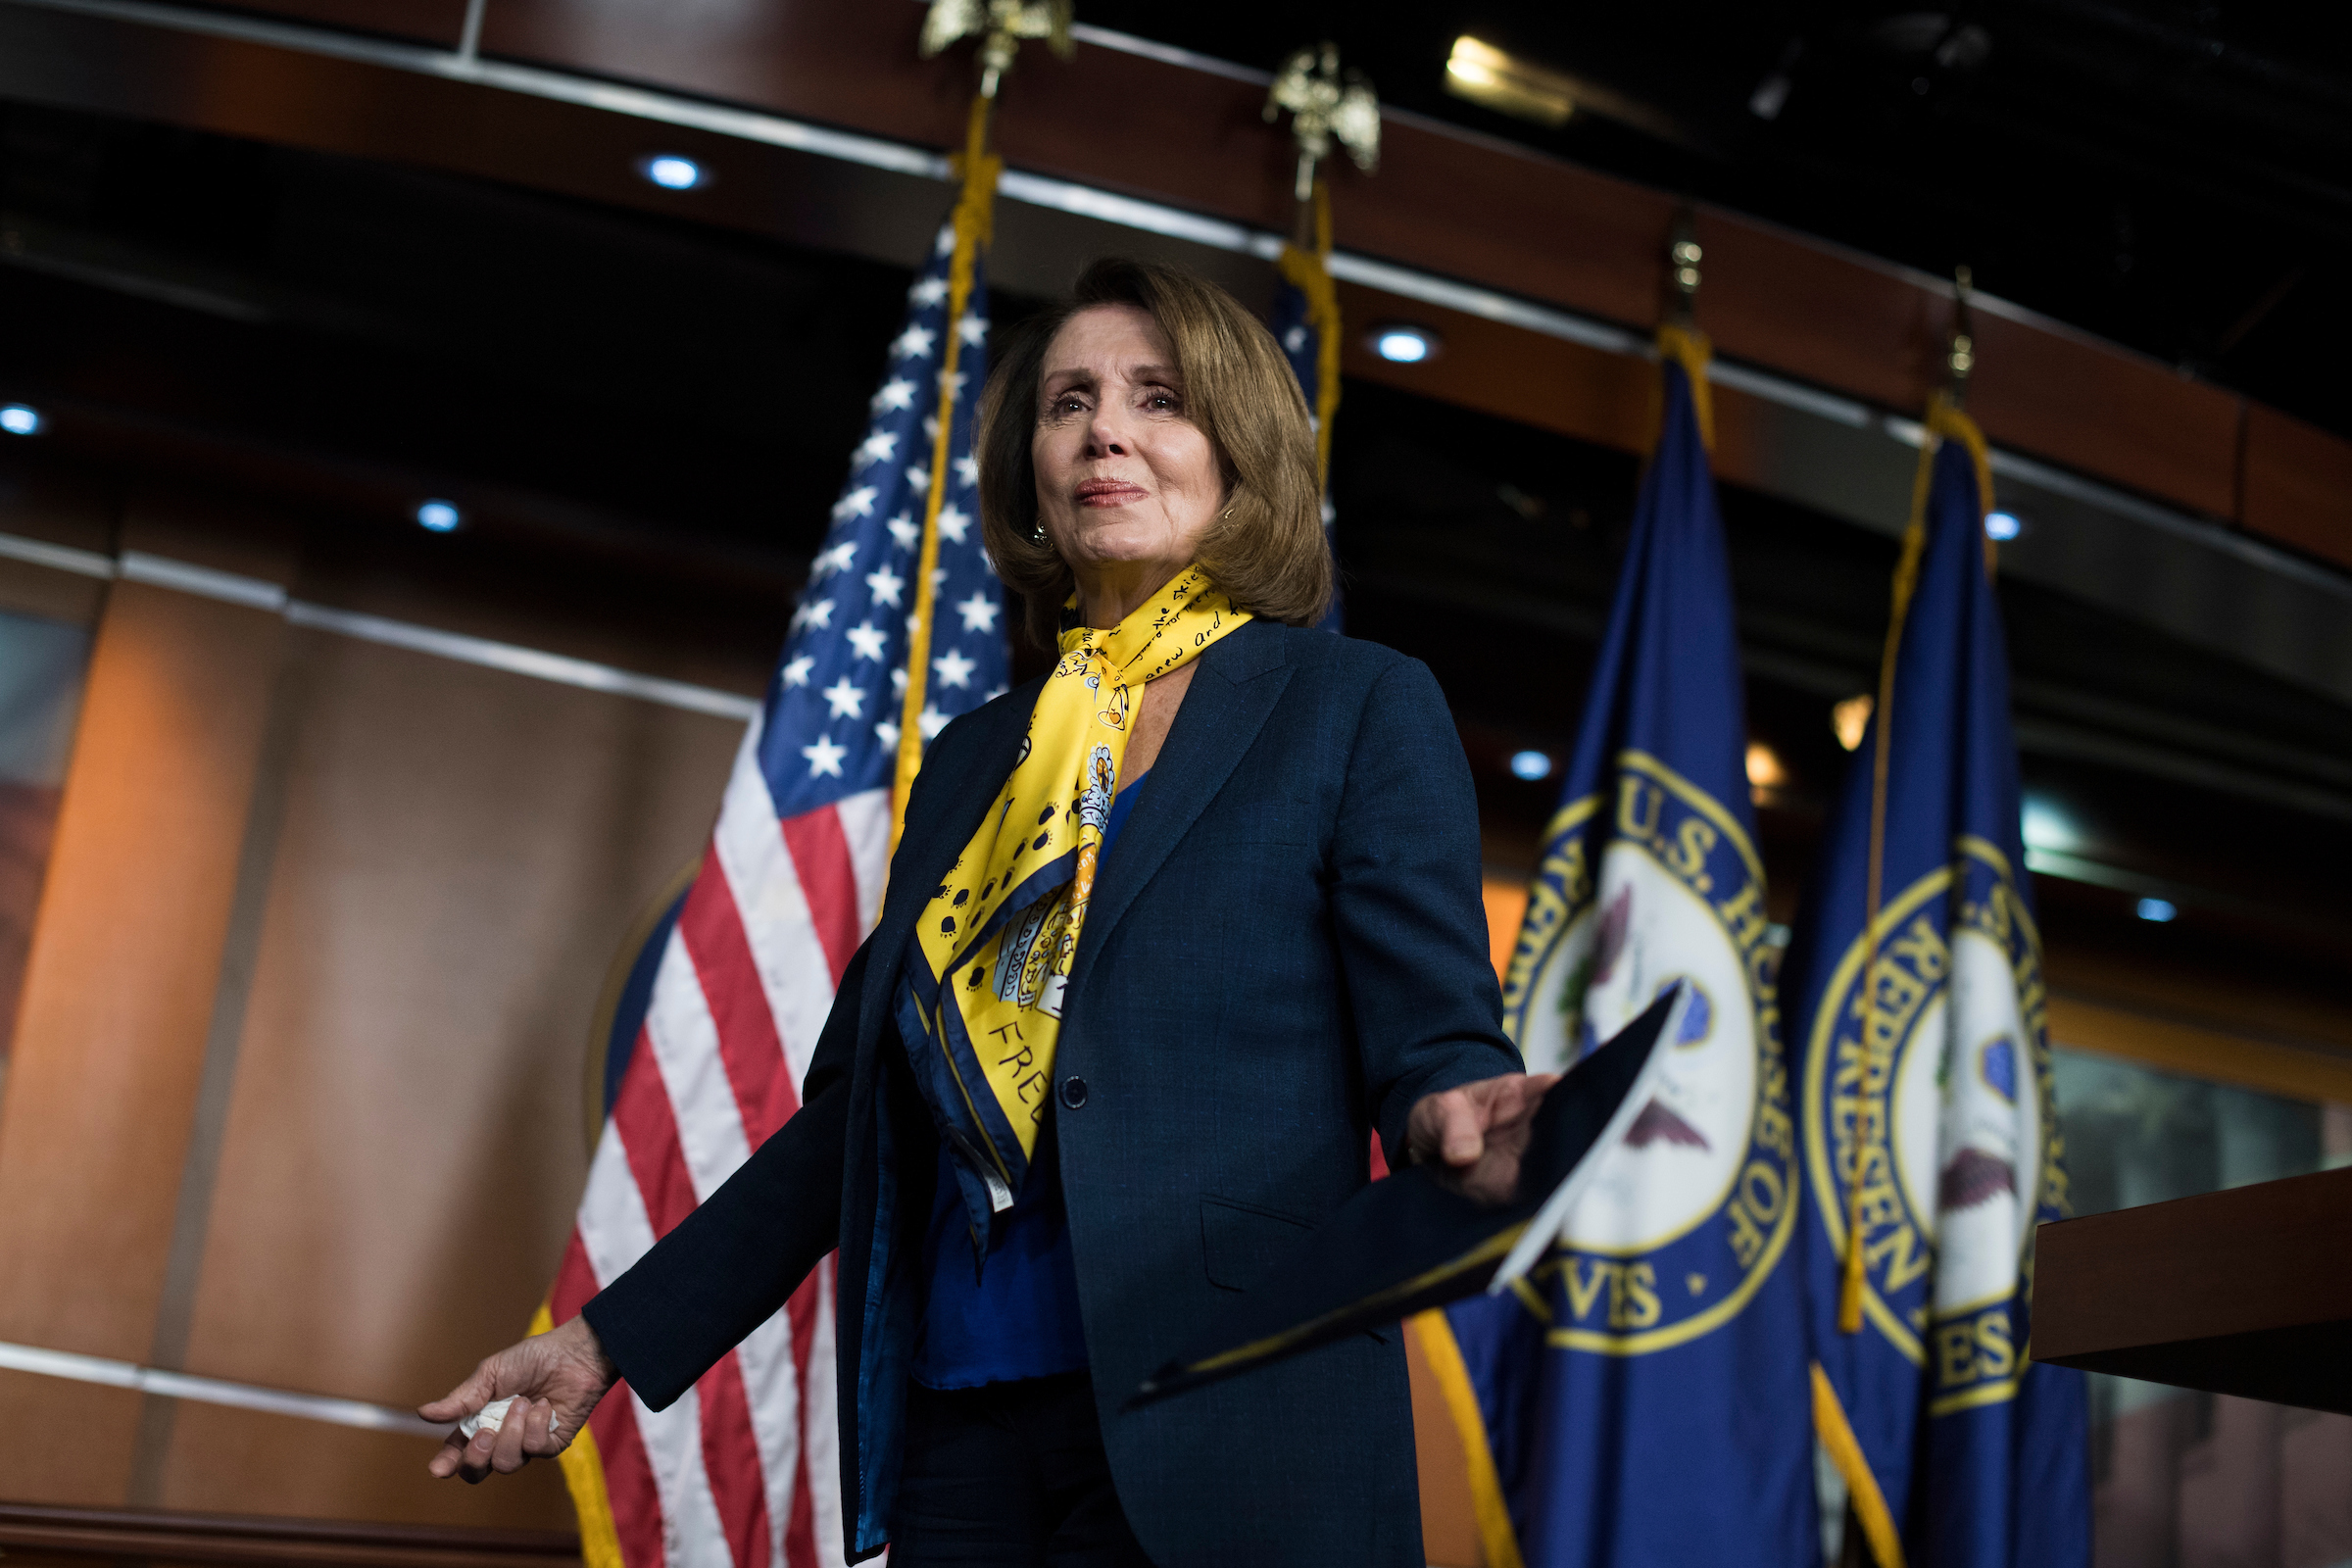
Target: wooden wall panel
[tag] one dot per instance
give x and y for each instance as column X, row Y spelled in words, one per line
column 2298, row 485
column 67, row 1444
column 120, row 983
column 228, row 1460
column 461, row 854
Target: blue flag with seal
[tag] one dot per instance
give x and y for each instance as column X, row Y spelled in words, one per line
column 1306, row 319
column 1640, row 1397
column 1929, row 1128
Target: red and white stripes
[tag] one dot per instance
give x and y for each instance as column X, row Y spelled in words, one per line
column 743, row 1471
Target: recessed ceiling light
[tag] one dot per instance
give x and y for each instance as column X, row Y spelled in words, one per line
column 1850, row 718
column 1531, row 765
column 2003, row 526
column 2158, row 909
column 1404, row 344
column 1765, row 769
column 439, row 517
column 671, row 172
column 18, row 418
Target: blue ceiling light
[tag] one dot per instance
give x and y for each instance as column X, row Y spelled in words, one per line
column 439, row 517
column 1405, row 345
column 2158, row 909
column 671, row 172
column 2003, row 526
column 18, row 418
column 1531, row 765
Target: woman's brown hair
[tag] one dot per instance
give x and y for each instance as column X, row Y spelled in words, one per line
column 1266, row 549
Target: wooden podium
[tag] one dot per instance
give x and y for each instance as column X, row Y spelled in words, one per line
column 2246, row 1292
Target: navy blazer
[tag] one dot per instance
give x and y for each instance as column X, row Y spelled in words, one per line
column 1286, row 948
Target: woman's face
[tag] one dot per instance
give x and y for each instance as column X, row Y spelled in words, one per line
column 1126, row 483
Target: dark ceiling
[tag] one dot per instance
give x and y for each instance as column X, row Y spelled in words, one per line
column 2177, row 177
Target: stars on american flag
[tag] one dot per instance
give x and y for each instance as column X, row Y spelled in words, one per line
column 954, row 669
column 832, row 723
column 979, row 614
column 847, row 700
column 824, row 758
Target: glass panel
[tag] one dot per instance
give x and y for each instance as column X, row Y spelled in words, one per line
column 43, row 664
column 2183, row 1479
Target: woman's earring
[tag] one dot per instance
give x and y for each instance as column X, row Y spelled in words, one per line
column 1037, row 532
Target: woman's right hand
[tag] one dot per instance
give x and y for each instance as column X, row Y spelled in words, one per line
column 556, row 1379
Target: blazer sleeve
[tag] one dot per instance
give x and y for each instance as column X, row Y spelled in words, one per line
column 732, row 1263
column 1405, row 906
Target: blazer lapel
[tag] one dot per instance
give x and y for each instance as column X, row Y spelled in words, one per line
column 1241, row 677
column 930, row 847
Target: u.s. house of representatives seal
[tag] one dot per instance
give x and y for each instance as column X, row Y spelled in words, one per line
column 1691, row 1212
column 1929, row 1073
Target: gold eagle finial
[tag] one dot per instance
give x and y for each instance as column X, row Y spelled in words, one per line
column 1000, row 25
column 1325, row 107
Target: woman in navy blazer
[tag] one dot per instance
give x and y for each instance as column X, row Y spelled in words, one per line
column 1285, row 952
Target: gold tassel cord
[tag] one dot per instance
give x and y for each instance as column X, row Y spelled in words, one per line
column 975, row 211
column 1687, row 347
column 1837, row 1437
column 1434, row 1336
column 584, row 1478
column 1945, row 421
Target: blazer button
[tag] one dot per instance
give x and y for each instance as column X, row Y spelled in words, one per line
column 1073, row 1091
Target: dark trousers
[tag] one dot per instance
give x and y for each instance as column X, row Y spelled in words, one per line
column 1012, row 1475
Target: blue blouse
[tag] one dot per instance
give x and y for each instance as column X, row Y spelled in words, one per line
column 1015, row 1315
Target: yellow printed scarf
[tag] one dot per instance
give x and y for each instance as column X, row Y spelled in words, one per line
column 981, row 1008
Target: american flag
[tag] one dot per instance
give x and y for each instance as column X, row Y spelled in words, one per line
column 715, row 1032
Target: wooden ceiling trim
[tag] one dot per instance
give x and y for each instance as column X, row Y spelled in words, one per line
column 1464, row 207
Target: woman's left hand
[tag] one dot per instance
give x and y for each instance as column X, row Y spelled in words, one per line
column 1475, row 1134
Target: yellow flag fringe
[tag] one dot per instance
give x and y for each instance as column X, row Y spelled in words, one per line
column 1945, row 421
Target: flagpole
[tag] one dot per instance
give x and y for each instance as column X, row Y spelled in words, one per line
column 974, row 214
column 1944, row 419
column 1309, row 270
column 1000, row 27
